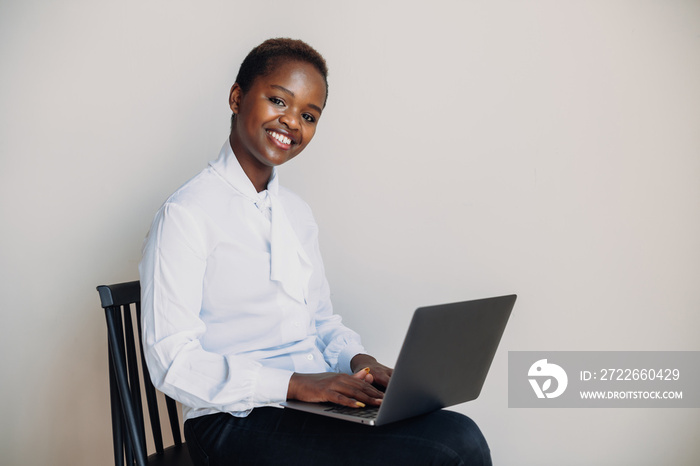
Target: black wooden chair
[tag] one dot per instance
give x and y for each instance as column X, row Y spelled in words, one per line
column 121, row 303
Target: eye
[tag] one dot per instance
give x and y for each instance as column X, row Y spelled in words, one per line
column 309, row 117
column 277, row 101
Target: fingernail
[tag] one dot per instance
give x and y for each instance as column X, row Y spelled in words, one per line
column 366, row 369
column 359, row 404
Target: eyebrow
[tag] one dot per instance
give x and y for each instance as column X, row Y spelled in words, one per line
column 287, row 91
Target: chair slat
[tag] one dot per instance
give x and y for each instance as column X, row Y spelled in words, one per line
column 115, row 407
column 151, row 398
column 174, row 422
column 133, row 371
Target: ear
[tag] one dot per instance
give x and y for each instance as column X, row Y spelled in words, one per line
column 234, row 98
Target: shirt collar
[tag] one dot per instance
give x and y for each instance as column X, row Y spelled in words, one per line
column 289, row 263
column 230, row 169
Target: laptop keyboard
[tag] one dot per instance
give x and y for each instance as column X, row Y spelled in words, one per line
column 365, row 413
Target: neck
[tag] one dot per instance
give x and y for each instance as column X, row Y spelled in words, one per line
column 257, row 173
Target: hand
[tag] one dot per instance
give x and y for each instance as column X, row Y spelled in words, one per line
column 343, row 389
column 378, row 373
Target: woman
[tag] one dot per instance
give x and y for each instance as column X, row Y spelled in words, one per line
column 236, row 308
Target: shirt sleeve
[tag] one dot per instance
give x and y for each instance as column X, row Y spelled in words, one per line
column 172, row 272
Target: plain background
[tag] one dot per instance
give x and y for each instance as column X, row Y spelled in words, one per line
column 545, row 148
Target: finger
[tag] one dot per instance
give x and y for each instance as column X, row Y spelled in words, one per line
column 364, row 393
column 354, row 384
column 352, row 388
column 362, row 373
column 383, row 376
column 370, row 391
column 349, row 402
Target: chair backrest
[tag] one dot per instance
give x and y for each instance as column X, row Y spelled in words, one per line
column 122, row 305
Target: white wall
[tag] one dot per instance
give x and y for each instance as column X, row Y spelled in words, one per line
column 468, row 149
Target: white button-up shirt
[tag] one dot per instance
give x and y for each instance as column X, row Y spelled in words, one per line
column 234, row 297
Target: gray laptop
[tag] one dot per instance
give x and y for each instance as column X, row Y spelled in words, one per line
column 444, row 360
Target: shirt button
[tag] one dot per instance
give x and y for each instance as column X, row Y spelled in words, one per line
column 309, row 357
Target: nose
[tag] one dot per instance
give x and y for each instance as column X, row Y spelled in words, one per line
column 289, row 119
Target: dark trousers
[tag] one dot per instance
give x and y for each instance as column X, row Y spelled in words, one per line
column 273, row 436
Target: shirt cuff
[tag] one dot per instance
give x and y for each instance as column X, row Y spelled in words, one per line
column 272, row 386
column 346, row 355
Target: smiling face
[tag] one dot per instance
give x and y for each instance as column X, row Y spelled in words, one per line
column 276, row 118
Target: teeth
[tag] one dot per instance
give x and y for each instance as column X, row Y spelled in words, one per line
column 281, row 138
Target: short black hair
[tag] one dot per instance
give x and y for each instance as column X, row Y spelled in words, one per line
column 261, row 60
